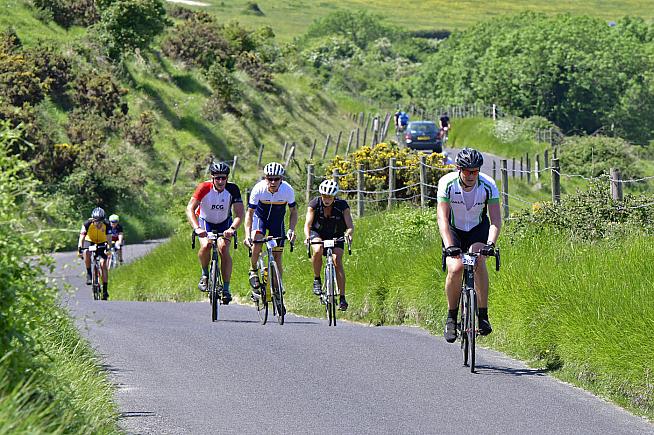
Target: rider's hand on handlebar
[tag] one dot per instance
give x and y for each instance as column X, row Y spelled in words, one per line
column 452, row 251
column 229, row 233
column 248, row 243
column 201, row 232
column 79, row 251
column 290, row 235
column 488, row 250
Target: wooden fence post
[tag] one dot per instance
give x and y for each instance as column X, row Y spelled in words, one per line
column 537, row 168
column 290, row 156
column 504, row 173
column 357, row 145
column 338, row 142
column 285, row 150
column 528, row 169
column 521, row 167
column 365, row 136
column 349, row 143
column 494, row 170
column 360, row 187
column 324, row 150
column 423, row 181
column 513, row 168
column 546, row 160
column 260, row 157
column 310, row 177
column 234, row 165
column 616, row 184
column 313, row 149
column 391, row 182
column 556, row 181
column 179, row 164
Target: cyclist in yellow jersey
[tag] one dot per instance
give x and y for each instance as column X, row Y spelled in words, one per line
column 95, row 231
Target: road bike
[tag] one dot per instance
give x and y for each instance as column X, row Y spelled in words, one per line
column 468, row 305
column 113, row 260
column 96, row 270
column 330, row 287
column 215, row 281
column 271, row 290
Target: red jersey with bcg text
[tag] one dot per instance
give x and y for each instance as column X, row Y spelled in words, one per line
column 215, row 207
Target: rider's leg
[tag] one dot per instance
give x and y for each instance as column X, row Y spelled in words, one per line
column 204, row 255
column 225, row 260
column 481, row 278
column 316, row 257
column 104, row 267
column 277, row 255
column 453, row 282
column 340, row 271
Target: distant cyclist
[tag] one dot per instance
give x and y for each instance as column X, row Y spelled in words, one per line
column 265, row 215
column 328, row 218
column 466, row 200
column 117, row 235
column 216, row 206
column 445, row 127
column 95, row 231
column 402, row 122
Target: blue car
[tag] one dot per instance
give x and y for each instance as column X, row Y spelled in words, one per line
column 423, row 136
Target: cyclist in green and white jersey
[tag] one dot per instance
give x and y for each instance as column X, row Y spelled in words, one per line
column 468, row 217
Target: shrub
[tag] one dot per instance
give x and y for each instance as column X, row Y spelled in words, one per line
column 97, row 92
column 68, row 13
column 140, row 134
column 375, row 162
column 19, row 82
column 225, row 91
column 198, row 42
column 89, row 128
column 593, row 156
column 52, row 68
column 259, row 71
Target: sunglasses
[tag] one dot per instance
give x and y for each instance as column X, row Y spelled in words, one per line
column 273, row 178
column 220, row 177
column 468, row 172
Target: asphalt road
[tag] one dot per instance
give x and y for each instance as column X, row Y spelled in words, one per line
column 178, row 373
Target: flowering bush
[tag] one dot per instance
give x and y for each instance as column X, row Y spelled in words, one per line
column 375, row 161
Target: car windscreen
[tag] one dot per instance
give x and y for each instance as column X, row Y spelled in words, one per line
column 423, row 128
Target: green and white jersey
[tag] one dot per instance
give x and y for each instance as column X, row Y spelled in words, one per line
column 467, row 209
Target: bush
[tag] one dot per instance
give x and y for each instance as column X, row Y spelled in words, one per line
column 375, row 161
column 592, row 156
column 260, row 73
column 198, row 42
column 140, row 133
column 589, row 215
column 225, row 91
column 97, row 92
column 68, row 13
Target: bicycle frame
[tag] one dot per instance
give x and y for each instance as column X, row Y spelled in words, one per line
column 271, row 285
column 328, row 296
column 468, row 304
column 215, row 282
column 96, row 270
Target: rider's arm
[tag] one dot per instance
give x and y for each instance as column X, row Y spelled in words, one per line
column 292, row 220
column 193, row 204
column 308, row 222
column 248, row 222
column 495, row 215
column 443, row 211
column 349, row 223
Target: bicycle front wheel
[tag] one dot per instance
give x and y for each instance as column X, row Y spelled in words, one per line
column 472, row 327
column 463, row 325
column 214, row 289
column 261, row 302
column 277, row 293
column 95, row 280
column 330, row 280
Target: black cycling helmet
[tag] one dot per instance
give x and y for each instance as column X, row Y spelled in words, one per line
column 97, row 214
column 469, row 158
column 219, row 168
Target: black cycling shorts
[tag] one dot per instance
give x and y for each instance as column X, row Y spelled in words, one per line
column 465, row 239
column 314, row 234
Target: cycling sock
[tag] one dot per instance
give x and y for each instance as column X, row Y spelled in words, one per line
column 104, row 287
column 452, row 314
column 483, row 313
column 88, row 271
column 205, row 271
column 226, row 287
column 316, row 278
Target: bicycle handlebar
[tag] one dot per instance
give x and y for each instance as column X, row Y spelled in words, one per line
column 337, row 239
column 496, row 254
column 218, row 236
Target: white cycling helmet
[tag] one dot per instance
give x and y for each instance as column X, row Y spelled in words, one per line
column 328, row 187
column 273, row 168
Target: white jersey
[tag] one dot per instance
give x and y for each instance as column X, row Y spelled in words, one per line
column 269, row 205
column 463, row 217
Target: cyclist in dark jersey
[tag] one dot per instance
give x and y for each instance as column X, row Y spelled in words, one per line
column 327, row 218
column 117, row 235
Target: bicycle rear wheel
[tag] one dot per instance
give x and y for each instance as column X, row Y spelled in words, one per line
column 277, row 293
column 261, row 302
column 95, row 280
column 330, row 279
column 472, row 327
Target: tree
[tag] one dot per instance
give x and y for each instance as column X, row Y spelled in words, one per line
column 126, row 25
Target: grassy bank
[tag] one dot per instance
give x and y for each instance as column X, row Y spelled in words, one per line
column 578, row 311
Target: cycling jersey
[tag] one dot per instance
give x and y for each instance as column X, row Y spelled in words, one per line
column 271, row 206
column 329, row 227
column 93, row 234
column 216, row 207
column 404, row 119
column 115, row 231
column 445, row 121
column 467, row 209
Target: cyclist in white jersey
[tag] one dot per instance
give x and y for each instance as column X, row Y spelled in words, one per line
column 210, row 209
column 266, row 210
column 466, row 200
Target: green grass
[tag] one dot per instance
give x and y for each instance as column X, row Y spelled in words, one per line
column 291, row 18
column 579, row 311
